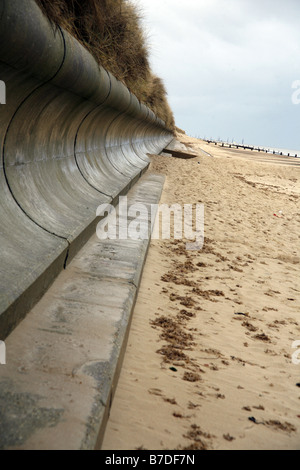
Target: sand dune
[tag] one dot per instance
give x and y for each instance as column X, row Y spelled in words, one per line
column 209, row 358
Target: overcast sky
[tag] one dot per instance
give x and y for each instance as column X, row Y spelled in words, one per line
column 229, row 66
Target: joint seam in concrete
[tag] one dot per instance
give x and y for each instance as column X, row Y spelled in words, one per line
column 6, row 134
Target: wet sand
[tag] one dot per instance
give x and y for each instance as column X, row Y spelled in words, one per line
column 209, row 357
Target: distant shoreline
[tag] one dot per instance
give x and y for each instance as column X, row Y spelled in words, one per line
column 269, row 150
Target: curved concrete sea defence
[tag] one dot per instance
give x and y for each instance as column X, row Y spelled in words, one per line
column 72, row 137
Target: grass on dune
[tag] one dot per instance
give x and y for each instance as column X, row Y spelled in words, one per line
column 112, row 32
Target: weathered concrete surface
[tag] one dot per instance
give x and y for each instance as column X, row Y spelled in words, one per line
column 64, row 359
column 71, row 137
column 179, row 150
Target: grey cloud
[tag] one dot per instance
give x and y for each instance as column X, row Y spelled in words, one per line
column 229, row 66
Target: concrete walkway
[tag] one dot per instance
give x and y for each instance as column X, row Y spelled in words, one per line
column 64, row 359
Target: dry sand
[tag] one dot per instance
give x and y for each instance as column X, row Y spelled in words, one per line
column 209, row 357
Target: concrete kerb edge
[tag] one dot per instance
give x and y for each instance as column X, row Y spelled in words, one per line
column 117, row 358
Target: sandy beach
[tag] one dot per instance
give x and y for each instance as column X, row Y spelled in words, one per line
column 209, row 357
